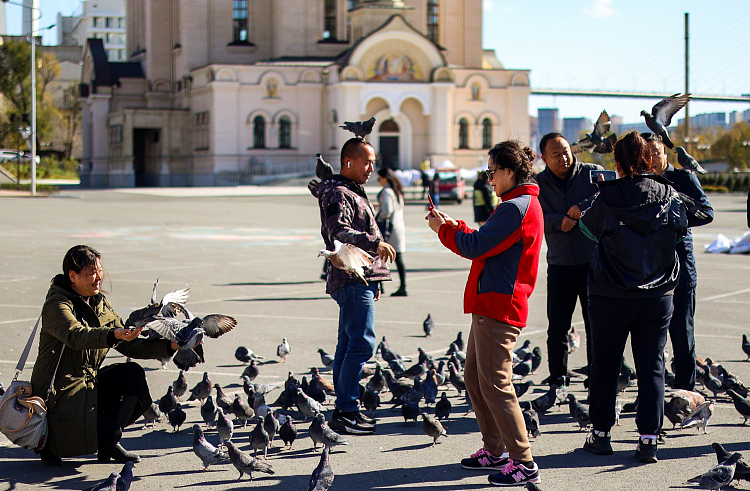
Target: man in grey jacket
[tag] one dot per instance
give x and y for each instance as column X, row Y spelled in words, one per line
column 346, row 215
column 565, row 189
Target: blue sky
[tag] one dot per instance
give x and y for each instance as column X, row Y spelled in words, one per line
column 597, row 44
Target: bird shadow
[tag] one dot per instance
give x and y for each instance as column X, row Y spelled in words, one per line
column 271, row 283
column 410, row 447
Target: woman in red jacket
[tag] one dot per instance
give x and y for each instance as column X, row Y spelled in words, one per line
column 504, row 255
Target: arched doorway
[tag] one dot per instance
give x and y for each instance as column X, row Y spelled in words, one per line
column 388, row 144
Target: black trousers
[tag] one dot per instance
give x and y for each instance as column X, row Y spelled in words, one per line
column 566, row 285
column 647, row 322
column 681, row 332
column 117, row 385
column 401, row 270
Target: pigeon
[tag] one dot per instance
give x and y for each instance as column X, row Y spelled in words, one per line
column 176, row 418
column 152, row 415
column 271, row 425
column 718, row 475
column 288, row 432
column 307, row 406
column 242, row 411
column 168, row 401
column 531, row 418
column 245, row 463
column 370, row 400
column 410, row 410
column 523, row 350
column 283, row 350
column 688, row 162
column 349, row 258
column 443, row 407
column 322, row 476
column 395, row 386
column 425, row 357
column 579, row 412
column 712, row 383
column 389, row 354
column 731, row 382
column 699, row 418
column 245, row 355
column 168, row 307
column 414, row 372
column 521, row 389
column 415, row 394
column 326, row 359
column 397, row 367
column 428, row 326
column 623, row 380
column 2, row 389
column 222, row 400
column 432, row 427
column 224, row 426
column 360, row 128
column 742, row 469
column 453, row 351
column 260, row 439
column 324, row 384
column 457, row 380
column 322, row 168
column 618, row 411
column 430, row 387
column 530, row 486
column 536, row 358
column 377, row 381
column 180, row 385
column 459, row 342
column 321, row 433
column 251, row 371
column 109, row 484
column 209, row 412
column 523, row 368
column 314, row 391
column 661, row 115
column 126, row 477
column 440, row 375
column 746, row 346
column 205, row 451
column 596, row 141
column 687, row 400
column 201, row 390
column 674, row 412
column 741, row 404
column 574, row 340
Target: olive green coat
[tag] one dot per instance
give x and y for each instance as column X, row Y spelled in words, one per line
column 67, row 319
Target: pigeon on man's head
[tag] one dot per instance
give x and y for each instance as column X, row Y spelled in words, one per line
column 661, row 115
column 433, row 428
column 360, row 128
column 321, row 433
column 176, row 418
column 597, row 141
column 168, row 307
column 205, row 451
column 718, row 475
column 688, row 162
column 348, row 257
column 428, row 326
column 246, row 463
column 699, row 417
column 322, row 477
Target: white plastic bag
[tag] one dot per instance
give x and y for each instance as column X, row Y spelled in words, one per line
column 721, row 245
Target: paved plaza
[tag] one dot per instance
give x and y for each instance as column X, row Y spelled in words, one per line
column 254, row 258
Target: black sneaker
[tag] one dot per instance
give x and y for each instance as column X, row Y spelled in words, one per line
column 362, row 418
column 646, row 451
column 344, row 422
column 482, row 459
column 516, row 474
column 599, row 445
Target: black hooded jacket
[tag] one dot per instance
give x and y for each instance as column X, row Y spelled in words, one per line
column 637, row 223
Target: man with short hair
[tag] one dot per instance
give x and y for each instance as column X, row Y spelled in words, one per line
column 681, row 326
column 346, row 215
column 565, row 189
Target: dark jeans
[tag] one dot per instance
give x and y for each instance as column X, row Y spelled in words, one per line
column 401, row 270
column 356, row 342
column 647, row 321
column 566, row 285
column 116, row 385
column 681, row 329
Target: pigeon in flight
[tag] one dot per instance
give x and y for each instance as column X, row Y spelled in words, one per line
column 718, row 475
column 245, row 463
column 699, row 418
column 205, row 451
column 360, row 128
column 322, row 168
column 283, row 350
column 597, row 141
column 322, row 476
column 661, row 115
column 349, row 258
column 688, row 162
column 168, row 307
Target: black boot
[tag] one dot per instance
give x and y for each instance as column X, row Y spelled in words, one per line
column 118, row 454
column 49, row 458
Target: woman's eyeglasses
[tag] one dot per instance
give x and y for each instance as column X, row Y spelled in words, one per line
column 489, row 173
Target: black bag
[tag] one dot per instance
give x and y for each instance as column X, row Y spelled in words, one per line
column 386, row 227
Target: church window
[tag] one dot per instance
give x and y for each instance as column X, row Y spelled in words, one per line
column 463, row 133
column 329, row 20
column 476, row 92
column 433, row 20
column 486, row 133
column 285, row 132
column 272, row 89
column 259, row 132
column 239, row 21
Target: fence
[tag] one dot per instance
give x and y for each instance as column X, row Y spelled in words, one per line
column 265, row 169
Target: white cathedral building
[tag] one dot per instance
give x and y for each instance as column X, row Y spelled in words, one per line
column 221, row 92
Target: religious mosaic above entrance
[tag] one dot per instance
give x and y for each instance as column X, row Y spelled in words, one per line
column 394, row 67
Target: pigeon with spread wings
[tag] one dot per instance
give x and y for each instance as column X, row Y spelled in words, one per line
column 597, row 141
column 165, row 308
column 661, row 115
column 349, row 258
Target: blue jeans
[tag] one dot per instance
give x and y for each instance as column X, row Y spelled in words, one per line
column 356, row 341
column 683, row 340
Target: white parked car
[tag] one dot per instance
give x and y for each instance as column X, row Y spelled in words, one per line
column 9, row 156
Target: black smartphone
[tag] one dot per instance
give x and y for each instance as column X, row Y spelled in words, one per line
column 602, row 175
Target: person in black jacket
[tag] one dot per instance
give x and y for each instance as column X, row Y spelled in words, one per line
column 681, row 326
column 484, row 199
column 637, row 221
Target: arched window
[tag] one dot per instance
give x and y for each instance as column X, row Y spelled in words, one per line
column 486, row 133
column 239, row 21
column 329, row 20
column 433, row 21
column 259, row 132
column 476, row 92
column 285, row 132
column 463, row 133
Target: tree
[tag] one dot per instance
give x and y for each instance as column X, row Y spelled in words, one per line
column 68, row 116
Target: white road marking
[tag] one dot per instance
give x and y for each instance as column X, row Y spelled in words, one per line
column 724, row 295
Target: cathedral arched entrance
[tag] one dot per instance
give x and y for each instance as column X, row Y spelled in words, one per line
column 389, row 157
column 392, row 136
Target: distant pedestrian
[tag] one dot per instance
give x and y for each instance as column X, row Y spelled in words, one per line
column 425, row 182
column 435, row 189
column 390, row 219
column 504, row 256
column 484, row 199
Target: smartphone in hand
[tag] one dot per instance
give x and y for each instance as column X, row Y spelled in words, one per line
column 432, row 203
column 596, row 176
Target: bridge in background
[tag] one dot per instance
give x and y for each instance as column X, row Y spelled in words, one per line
column 636, row 95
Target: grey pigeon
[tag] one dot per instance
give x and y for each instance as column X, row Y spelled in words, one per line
column 459, row 342
column 2, row 389
column 241, row 410
column 731, row 382
column 674, row 413
column 222, row 400
column 531, row 418
column 410, row 410
column 623, row 380
column 126, row 477
column 521, row 389
column 288, row 432
column 259, row 439
column 597, row 141
column 457, row 380
column 251, row 371
column 661, row 115
column 718, row 475
column 428, row 326
column 168, row 307
column 741, row 470
column 415, row 394
column 453, row 350
column 283, row 350
column 321, row 433
column 180, row 386
column 388, row 354
column 397, row 367
column 521, row 352
column 109, row 484
column 425, row 357
column 242, row 354
column 322, row 476
column 699, row 417
column 579, row 412
column 430, row 387
column 245, row 463
column 443, row 407
column 746, row 347
column 205, row 451
column 414, row 372
column 152, row 415
column 224, row 426
column 370, row 400
column 433, row 428
column 322, row 168
column 201, row 390
column 176, row 418
column 271, row 425
column 688, row 162
column 618, row 411
column 360, row 128
column 307, row 406
column 741, row 404
column 712, row 383
column 524, row 368
column 209, row 412
column 536, row 358
column 395, row 386
column 441, row 376
column 326, row 359
column 377, row 381
column 168, row 401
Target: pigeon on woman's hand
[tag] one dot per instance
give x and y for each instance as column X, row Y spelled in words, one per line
column 168, row 307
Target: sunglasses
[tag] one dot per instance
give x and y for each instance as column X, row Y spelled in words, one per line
column 489, row 173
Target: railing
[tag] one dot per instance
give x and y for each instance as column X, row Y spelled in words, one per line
column 268, row 168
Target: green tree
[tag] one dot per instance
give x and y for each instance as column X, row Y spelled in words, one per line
column 68, row 117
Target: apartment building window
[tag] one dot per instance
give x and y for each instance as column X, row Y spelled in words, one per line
column 239, row 20
column 96, row 21
column 259, row 132
column 433, row 21
column 201, row 122
column 352, row 4
column 329, row 20
column 285, row 132
column 121, row 54
column 109, row 22
column 121, row 22
column 486, row 133
column 463, row 133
